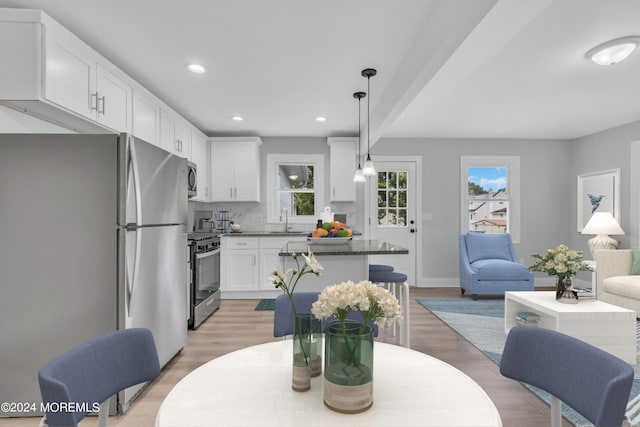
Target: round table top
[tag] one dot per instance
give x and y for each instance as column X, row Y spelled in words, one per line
column 252, row 387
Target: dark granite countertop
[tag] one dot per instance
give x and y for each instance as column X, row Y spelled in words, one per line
column 352, row 247
column 259, row 233
column 265, row 234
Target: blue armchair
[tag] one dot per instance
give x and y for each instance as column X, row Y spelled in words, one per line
column 488, row 265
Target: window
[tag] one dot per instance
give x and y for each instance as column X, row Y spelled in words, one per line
column 490, row 194
column 295, row 183
column 392, row 199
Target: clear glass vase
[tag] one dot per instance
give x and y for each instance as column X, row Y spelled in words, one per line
column 348, row 367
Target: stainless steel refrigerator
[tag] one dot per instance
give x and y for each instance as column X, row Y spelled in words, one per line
column 93, row 238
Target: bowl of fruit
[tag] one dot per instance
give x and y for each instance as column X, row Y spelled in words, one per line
column 331, row 233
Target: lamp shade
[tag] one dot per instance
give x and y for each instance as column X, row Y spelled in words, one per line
column 602, row 223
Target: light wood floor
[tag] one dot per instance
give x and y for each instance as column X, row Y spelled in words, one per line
column 237, row 325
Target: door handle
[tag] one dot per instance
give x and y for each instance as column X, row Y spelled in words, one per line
column 412, row 230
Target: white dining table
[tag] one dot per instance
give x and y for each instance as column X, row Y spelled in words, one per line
column 252, row 387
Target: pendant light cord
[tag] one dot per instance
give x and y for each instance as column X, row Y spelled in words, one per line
column 368, row 119
column 359, row 143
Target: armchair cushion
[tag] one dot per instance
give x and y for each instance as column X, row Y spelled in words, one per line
column 500, row 269
column 488, row 246
column 625, row 286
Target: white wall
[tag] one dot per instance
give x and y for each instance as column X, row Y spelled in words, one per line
column 610, row 149
column 545, row 185
column 549, row 170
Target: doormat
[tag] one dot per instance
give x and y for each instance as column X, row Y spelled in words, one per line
column 266, row 304
column 481, row 323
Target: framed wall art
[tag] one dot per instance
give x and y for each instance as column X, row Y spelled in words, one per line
column 598, row 192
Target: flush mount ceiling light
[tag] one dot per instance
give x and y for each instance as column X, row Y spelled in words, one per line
column 369, row 169
column 613, row 51
column 196, row 68
column 293, row 177
column 237, row 118
column 321, row 119
column 359, row 176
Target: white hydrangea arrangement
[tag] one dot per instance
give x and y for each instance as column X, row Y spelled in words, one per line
column 375, row 303
column 561, row 261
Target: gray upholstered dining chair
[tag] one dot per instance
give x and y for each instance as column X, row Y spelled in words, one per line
column 593, row 382
column 283, row 312
column 92, row 372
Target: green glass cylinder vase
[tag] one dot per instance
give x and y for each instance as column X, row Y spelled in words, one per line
column 307, row 345
column 348, row 367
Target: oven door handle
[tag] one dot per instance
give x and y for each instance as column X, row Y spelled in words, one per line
column 208, row 254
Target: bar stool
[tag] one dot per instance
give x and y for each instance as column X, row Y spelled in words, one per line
column 396, row 283
column 380, row 267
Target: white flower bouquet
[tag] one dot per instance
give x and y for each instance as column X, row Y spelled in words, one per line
column 561, row 261
column 375, row 303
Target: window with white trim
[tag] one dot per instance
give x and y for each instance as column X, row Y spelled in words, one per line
column 295, row 185
column 489, row 189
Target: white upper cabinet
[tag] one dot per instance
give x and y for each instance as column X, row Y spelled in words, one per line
column 343, row 164
column 51, row 74
column 75, row 79
column 175, row 135
column 235, row 169
column 146, row 118
column 200, row 158
column 113, row 101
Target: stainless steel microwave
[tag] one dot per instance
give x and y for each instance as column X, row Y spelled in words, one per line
column 192, row 180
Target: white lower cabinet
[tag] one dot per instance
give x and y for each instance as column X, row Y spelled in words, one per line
column 247, row 263
column 239, row 263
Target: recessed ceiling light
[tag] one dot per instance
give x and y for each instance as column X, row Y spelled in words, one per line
column 237, row 118
column 321, row 119
column 613, row 51
column 196, row 68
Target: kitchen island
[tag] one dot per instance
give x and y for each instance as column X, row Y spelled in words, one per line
column 340, row 262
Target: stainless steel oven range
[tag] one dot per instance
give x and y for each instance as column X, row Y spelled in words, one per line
column 205, row 279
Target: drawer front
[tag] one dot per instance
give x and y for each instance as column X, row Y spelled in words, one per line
column 278, row 242
column 240, row 243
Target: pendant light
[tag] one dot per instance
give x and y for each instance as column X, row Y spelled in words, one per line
column 369, row 169
column 359, row 176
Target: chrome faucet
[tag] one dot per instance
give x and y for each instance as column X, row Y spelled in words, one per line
column 285, row 211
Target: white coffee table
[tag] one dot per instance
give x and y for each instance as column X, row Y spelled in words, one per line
column 603, row 325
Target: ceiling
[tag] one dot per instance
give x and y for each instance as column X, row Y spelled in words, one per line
column 446, row 68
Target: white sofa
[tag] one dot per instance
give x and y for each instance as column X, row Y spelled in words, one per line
column 615, row 283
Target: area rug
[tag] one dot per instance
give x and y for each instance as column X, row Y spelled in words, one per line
column 266, row 304
column 481, row 322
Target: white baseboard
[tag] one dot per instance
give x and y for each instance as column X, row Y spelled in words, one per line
column 455, row 282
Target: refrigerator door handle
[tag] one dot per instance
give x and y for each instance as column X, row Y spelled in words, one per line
column 132, row 172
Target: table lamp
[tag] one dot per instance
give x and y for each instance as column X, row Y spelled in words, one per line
column 602, row 224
